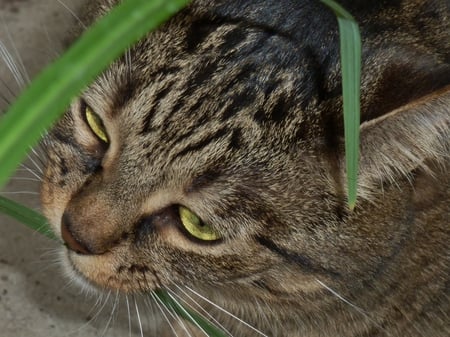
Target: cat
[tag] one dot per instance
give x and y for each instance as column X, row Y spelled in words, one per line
column 208, row 161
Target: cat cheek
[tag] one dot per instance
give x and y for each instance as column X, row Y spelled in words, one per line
column 53, row 200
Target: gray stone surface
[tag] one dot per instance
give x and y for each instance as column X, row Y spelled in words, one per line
column 35, row 297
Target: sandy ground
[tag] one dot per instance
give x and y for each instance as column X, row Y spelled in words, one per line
column 35, row 297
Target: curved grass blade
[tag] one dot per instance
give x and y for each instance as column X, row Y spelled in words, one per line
column 188, row 314
column 27, row 216
column 51, row 92
column 350, row 46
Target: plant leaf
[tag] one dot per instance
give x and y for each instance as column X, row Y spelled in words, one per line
column 27, row 216
column 51, row 92
column 189, row 315
column 350, row 46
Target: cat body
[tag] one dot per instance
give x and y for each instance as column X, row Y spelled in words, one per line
column 233, row 110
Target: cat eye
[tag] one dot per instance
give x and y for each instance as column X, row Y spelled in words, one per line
column 96, row 124
column 196, row 227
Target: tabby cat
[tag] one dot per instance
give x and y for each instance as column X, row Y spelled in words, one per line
column 208, row 161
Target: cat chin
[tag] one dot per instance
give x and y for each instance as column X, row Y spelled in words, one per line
column 76, row 278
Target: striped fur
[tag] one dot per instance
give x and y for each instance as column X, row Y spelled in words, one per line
column 233, row 109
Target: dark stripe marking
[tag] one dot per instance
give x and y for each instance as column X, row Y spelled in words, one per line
column 198, row 33
column 236, row 139
column 201, row 144
column 305, row 263
column 161, row 94
column 232, row 39
column 204, row 180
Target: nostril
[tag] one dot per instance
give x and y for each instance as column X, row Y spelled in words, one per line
column 69, row 239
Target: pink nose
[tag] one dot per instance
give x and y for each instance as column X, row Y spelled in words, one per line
column 70, row 240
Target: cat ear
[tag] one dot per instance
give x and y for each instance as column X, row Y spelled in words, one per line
column 399, row 142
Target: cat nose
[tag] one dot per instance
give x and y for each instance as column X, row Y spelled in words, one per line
column 69, row 239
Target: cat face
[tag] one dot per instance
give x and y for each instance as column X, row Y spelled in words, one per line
column 180, row 133
column 118, row 192
column 210, row 156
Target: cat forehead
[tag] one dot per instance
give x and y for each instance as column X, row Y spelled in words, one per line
column 214, row 60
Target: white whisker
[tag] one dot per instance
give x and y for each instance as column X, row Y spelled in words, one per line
column 10, row 92
column 38, row 168
column 227, row 312
column 73, row 14
column 17, row 68
column 163, row 308
column 53, row 52
column 178, row 318
column 24, row 179
column 139, row 318
column 11, row 65
column 111, row 316
column 38, row 157
column 357, row 308
column 94, row 307
column 129, row 314
column 188, row 314
column 203, row 312
column 33, row 172
column 19, row 192
column 22, row 69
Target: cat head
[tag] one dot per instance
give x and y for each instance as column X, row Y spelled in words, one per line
column 211, row 155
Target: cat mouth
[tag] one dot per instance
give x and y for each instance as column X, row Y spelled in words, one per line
column 105, row 273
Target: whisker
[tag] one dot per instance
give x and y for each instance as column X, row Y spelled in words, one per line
column 22, row 69
column 7, row 100
column 357, row 308
column 129, row 314
column 33, row 172
column 111, row 316
column 179, row 318
column 38, row 157
column 94, row 307
column 19, row 192
column 162, row 307
column 24, row 179
column 50, row 42
column 188, row 314
column 17, row 68
column 38, row 168
column 138, row 317
column 73, row 14
column 11, row 65
column 8, row 89
column 211, row 318
column 227, row 312
column 152, row 315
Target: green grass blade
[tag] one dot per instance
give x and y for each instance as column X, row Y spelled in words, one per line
column 350, row 46
column 51, row 92
column 351, row 54
column 188, row 314
column 27, row 216
column 36, row 221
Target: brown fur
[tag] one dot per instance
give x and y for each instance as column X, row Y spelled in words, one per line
column 233, row 109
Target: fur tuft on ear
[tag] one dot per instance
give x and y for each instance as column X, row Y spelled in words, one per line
column 397, row 143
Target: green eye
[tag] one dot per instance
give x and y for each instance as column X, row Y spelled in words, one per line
column 96, row 124
column 196, row 227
